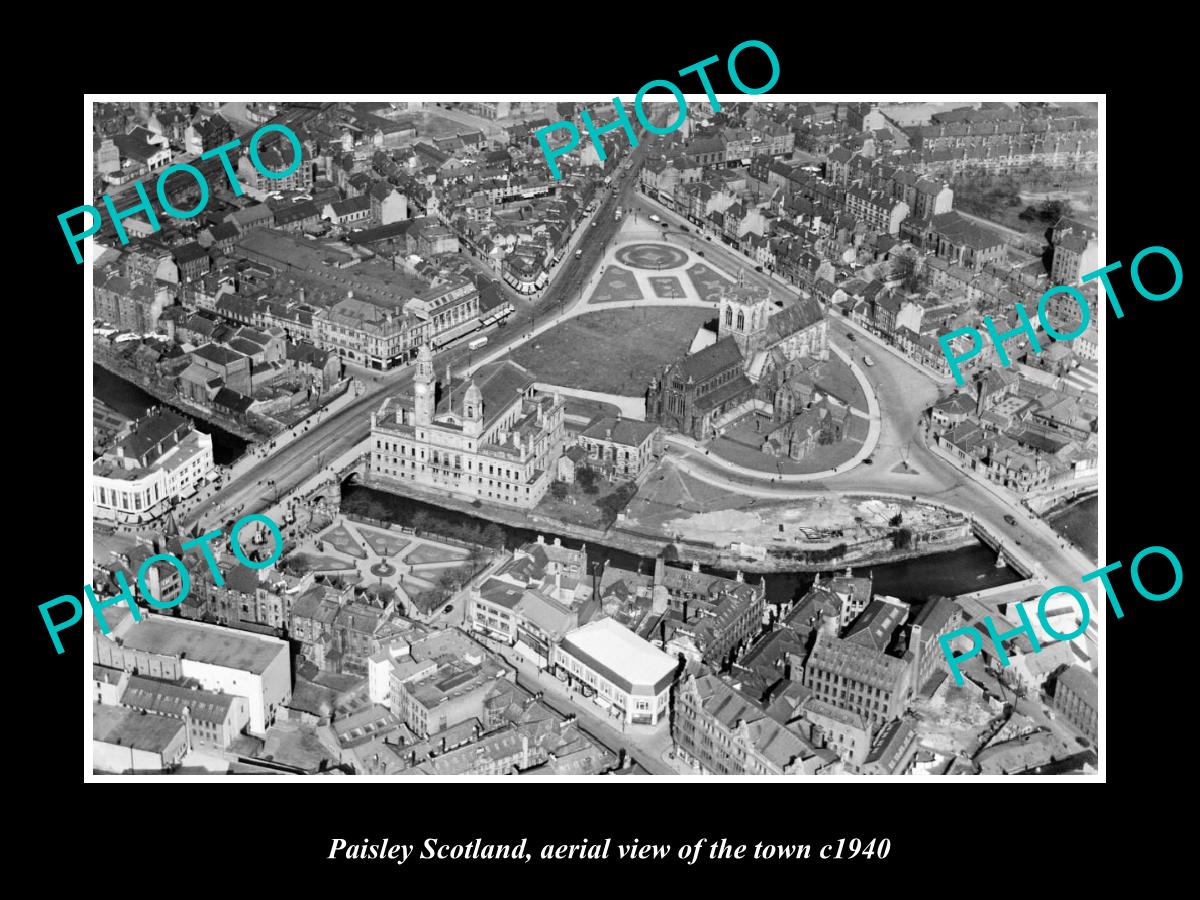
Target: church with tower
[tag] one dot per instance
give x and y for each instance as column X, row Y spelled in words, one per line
column 756, row 364
column 491, row 437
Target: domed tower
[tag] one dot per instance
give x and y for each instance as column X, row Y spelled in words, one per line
column 424, row 386
column 473, row 410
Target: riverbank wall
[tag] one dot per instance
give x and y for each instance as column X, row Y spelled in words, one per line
column 650, row 545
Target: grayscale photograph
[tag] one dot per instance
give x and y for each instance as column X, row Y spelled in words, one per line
column 564, row 439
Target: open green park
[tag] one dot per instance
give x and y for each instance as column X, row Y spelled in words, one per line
column 616, row 284
column 582, row 352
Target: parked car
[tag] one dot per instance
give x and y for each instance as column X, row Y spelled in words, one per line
column 868, row 461
column 758, row 268
column 683, row 228
column 850, row 335
column 1010, row 520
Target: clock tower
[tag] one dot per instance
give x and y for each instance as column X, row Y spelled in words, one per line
column 423, row 386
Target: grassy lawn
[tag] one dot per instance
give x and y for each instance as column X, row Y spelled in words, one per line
column 340, row 538
column 313, row 562
column 667, row 287
column 383, row 543
column 670, row 493
column 430, row 125
column 707, row 282
column 834, row 377
column 1003, row 198
column 740, row 445
column 429, row 554
column 614, row 351
column 857, row 428
column 616, row 284
column 578, row 508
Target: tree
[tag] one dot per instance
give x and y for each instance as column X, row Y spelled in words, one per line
column 896, row 519
column 586, row 477
column 902, row 539
column 617, row 500
column 493, row 536
column 670, row 553
column 420, row 520
column 479, row 556
column 451, row 580
column 558, row 490
column 1053, row 210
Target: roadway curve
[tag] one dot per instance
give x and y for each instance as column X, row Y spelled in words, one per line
column 905, row 392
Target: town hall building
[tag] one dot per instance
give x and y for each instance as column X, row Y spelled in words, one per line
column 492, row 437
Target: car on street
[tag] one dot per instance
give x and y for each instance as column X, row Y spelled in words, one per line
column 448, row 608
column 664, row 224
column 1010, row 520
column 850, row 335
column 868, row 361
column 683, row 228
column 699, row 252
column 654, row 218
column 868, row 461
column 758, row 268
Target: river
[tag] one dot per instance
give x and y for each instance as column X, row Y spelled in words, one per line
column 912, row 580
column 1080, row 524
column 128, row 398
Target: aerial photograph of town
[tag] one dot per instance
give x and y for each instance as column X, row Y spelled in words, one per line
column 466, row 439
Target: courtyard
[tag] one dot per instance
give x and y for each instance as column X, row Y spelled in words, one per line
column 381, row 560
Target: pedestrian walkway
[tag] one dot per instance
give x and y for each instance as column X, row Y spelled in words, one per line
column 407, row 564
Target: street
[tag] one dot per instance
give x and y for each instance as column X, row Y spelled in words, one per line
column 902, row 463
column 338, row 432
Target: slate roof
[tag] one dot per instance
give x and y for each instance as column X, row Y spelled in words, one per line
column 718, row 357
column 631, row 432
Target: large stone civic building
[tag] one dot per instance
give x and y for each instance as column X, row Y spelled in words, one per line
column 491, row 437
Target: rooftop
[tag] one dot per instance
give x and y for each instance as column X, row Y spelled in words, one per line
column 133, row 728
column 204, row 643
column 626, row 659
